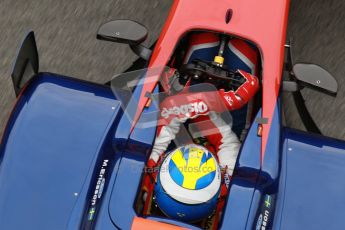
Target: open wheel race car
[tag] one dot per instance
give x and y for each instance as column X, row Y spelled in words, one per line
column 190, row 137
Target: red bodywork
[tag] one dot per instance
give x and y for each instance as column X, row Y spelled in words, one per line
column 262, row 22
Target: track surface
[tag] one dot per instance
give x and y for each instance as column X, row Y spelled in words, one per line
column 65, row 32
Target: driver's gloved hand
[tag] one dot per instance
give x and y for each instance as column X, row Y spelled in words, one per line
column 175, row 85
column 170, row 82
column 243, row 94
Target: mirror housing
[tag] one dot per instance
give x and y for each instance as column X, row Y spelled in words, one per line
column 306, row 75
column 127, row 32
column 123, row 31
column 314, row 76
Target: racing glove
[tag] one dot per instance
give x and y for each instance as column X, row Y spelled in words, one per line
column 237, row 99
column 170, row 81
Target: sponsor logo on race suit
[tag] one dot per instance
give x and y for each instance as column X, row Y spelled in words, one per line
column 229, row 100
column 186, row 110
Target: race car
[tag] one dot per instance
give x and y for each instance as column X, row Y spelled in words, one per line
column 190, row 137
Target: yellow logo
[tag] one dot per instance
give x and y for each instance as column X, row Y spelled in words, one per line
column 198, row 165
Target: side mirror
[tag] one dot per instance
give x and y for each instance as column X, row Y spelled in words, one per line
column 128, row 32
column 314, row 76
column 307, row 75
column 123, row 31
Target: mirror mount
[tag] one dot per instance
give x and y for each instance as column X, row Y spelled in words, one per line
column 127, row 32
column 290, row 86
column 142, row 51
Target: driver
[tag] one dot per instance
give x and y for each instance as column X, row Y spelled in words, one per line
column 202, row 109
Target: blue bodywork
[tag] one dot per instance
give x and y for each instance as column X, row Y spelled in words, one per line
column 60, row 133
column 64, row 132
column 69, row 160
column 52, row 143
column 311, row 186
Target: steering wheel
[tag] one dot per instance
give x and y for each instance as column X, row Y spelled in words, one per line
column 210, row 72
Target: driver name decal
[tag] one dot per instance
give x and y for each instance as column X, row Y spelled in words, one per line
column 264, row 219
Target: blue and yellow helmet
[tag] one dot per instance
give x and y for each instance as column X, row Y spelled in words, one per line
column 188, row 183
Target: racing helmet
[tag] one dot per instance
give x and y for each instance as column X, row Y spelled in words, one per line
column 188, row 183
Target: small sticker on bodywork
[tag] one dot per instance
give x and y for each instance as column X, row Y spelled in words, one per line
column 263, row 220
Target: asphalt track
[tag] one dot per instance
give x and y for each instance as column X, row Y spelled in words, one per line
column 65, row 32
